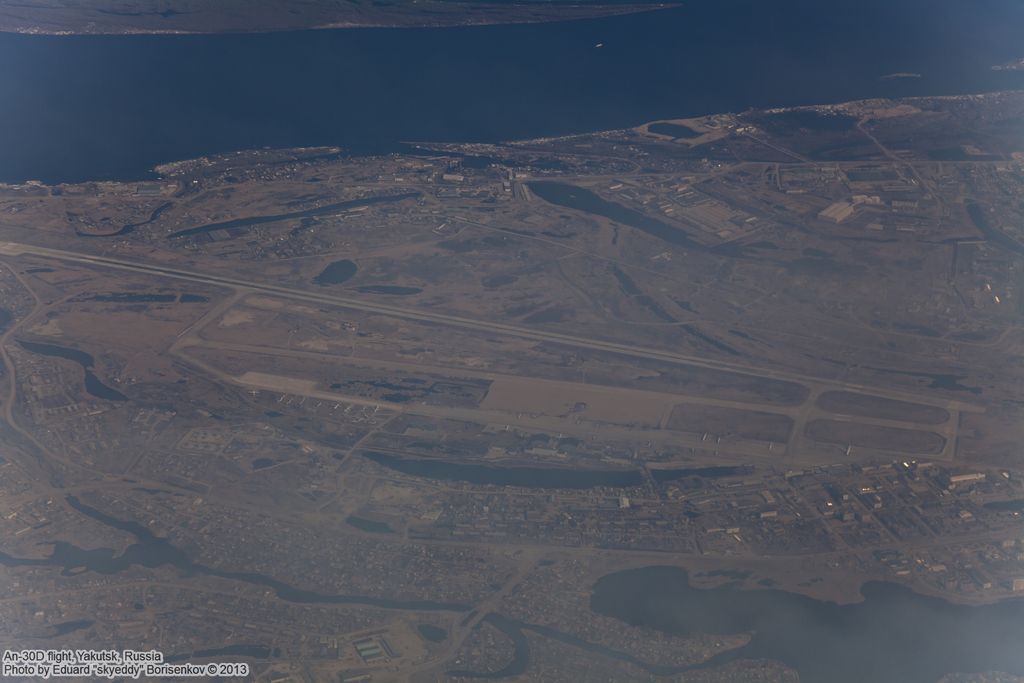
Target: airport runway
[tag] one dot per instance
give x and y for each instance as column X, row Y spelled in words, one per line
column 17, row 249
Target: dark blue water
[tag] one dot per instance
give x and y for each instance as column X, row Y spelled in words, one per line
column 336, row 273
column 893, row 636
column 1006, row 505
column 319, row 211
column 77, row 107
column 93, row 385
column 980, row 218
column 673, row 130
column 67, row 627
column 660, row 475
column 573, row 197
column 435, row 634
column 369, row 525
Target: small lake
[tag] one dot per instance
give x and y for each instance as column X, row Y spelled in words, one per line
column 336, row 273
column 893, row 636
column 434, row 634
column 93, row 385
column 130, row 227
column 1006, row 505
column 675, row 130
column 981, row 221
column 793, row 121
column 580, row 199
column 662, row 475
column 369, row 525
column 325, row 210
column 67, row 627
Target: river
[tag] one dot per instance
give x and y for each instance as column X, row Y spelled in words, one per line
column 151, row 551
column 112, row 107
column 93, row 385
column 893, row 636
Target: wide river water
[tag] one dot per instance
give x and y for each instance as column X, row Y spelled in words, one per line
column 893, row 636
column 92, row 107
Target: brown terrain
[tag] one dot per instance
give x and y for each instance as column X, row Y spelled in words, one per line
column 783, row 351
